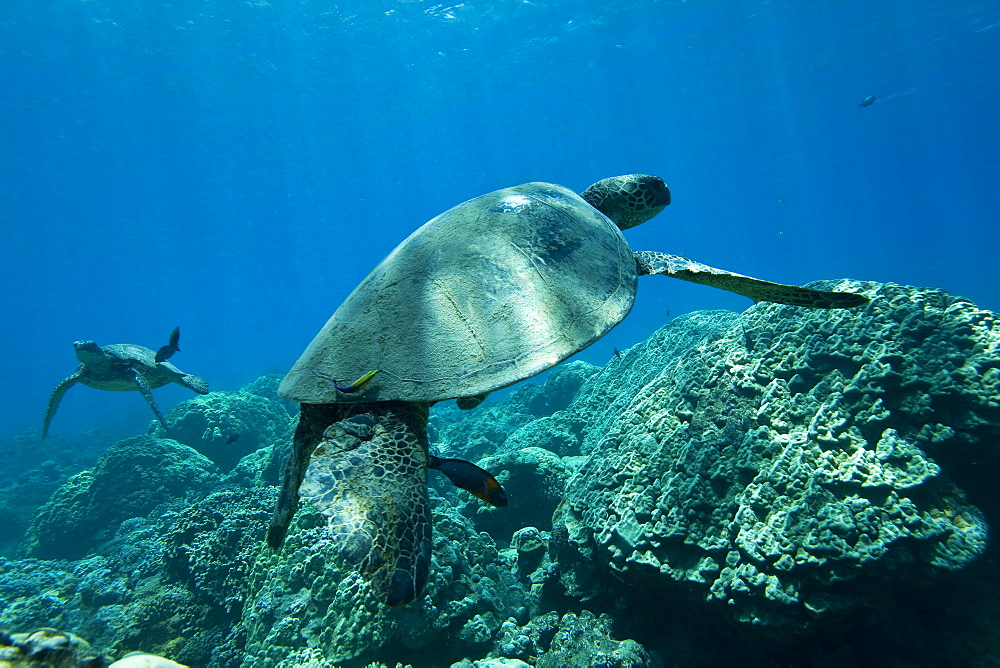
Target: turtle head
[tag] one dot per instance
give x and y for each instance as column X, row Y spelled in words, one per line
column 90, row 353
column 628, row 200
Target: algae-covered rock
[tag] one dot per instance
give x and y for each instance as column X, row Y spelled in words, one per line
column 569, row 641
column 48, row 647
column 301, row 598
column 226, row 426
column 534, row 479
column 130, row 479
column 773, row 457
column 209, row 545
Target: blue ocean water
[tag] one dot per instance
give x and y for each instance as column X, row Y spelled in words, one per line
column 235, row 168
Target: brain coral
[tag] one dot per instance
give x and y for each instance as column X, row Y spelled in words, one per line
column 301, row 598
column 130, row 479
column 226, row 426
column 771, row 458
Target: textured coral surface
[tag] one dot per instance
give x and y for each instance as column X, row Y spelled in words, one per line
column 788, row 452
column 752, row 489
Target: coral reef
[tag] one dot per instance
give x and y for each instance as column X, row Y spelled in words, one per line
column 130, row 479
column 33, row 470
column 788, row 452
column 301, row 598
column 768, row 472
column 226, row 426
column 570, row 641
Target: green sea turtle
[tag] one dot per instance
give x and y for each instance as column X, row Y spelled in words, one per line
column 490, row 292
column 123, row 367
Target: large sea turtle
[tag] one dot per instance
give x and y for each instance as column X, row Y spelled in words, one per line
column 123, row 367
column 488, row 293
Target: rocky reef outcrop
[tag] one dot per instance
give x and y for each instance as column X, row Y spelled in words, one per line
column 783, row 476
column 781, row 454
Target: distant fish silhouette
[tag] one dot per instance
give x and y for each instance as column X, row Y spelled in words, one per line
column 868, row 101
column 232, row 439
column 166, row 351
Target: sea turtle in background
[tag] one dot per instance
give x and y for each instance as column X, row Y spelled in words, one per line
column 488, row 293
column 124, row 367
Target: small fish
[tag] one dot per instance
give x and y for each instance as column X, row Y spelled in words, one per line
column 356, row 385
column 232, row 438
column 166, row 351
column 868, row 101
column 472, row 479
column 618, row 353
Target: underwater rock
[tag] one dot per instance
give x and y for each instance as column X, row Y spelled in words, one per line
column 770, row 459
column 51, row 648
column 534, row 479
column 479, row 432
column 143, row 660
column 570, row 641
column 561, row 386
column 130, row 479
column 226, row 426
column 48, row 647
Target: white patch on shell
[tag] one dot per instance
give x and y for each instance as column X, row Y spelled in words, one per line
column 514, row 202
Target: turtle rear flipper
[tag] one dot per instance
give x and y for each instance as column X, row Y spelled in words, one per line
column 654, row 262
column 368, row 477
column 55, row 398
column 193, row 383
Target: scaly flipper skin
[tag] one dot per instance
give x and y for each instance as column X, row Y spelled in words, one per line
column 57, row 395
column 654, row 262
column 147, row 393
column 368, row 476
column 364, row 466
column 193, row 383
column 313, row 421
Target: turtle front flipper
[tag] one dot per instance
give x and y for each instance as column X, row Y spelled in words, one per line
column 55, row 398
column 147, row 393
column 313, row 421
column 368, row 477
column 654, row 262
